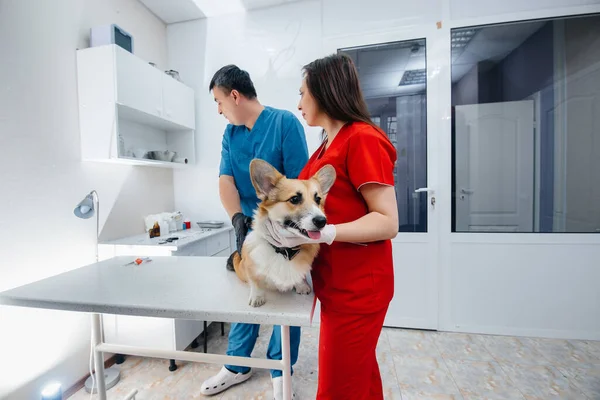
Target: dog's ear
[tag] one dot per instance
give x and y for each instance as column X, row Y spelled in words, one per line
column 326, row 177
column 264, row 177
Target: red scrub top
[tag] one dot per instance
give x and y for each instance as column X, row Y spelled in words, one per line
column 347, row 277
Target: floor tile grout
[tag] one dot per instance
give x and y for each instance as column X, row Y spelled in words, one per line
column 549, row 363
column 449, row 370
column 387, row 338
column 573, row 382
column 501, row 368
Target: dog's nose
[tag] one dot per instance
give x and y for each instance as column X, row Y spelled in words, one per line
column 320, row 221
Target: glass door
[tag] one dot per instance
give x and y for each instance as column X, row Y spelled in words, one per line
column 396, row 83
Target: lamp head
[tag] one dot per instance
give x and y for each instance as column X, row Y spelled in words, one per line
column 85, row 209
column 52, row 391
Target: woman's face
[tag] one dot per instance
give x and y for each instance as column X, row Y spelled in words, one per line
column 308, row 106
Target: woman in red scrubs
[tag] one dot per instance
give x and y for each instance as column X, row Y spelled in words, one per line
column 353, row 274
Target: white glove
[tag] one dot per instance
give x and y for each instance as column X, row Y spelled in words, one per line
column 278, row 236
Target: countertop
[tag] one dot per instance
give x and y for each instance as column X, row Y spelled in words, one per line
column 197, row 288
column 185, row 237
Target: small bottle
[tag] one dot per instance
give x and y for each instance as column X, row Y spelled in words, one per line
column 154, row 231
column 164, row 228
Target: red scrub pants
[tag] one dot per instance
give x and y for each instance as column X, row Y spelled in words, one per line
column 348, row 368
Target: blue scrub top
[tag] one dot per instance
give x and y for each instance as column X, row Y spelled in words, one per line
column 277, row 137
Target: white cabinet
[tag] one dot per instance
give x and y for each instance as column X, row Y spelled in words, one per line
column 162, row 333
column 178, row 102
column 128, row 108
column 139, row 85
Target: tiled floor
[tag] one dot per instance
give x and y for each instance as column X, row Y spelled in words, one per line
column 414, row 365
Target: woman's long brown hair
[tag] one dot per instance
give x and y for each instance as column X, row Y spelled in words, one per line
column 334, row 84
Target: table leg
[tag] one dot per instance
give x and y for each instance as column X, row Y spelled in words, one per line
column 222, row 328
column 286, row 360
column 172, row 365
column 98, row 356
column 205, row 337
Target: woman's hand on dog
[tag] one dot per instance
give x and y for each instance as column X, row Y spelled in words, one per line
column 280, row 237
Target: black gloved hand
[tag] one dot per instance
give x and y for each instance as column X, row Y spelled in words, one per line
column 241, row 224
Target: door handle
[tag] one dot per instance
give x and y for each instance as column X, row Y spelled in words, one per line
column 467, row 191
column 425, row 189
column 430, row 192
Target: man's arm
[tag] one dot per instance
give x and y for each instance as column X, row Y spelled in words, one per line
column 230, row 197
column 294, row 148
column 229, row 194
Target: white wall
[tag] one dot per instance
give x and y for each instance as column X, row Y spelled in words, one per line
column 42, row 177
column 465, row 9
column 272, row 45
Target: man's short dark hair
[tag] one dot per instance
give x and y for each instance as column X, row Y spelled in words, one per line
column 230, row 77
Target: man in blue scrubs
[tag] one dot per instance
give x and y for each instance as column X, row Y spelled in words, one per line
column 276, row 136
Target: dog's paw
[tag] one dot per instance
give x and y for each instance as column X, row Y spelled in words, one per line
column 302, row 288
column 257, row 301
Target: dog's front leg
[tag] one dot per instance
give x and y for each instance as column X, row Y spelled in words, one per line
column 302, row 287
column 257, row 295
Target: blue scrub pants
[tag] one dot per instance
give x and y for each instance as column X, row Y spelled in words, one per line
column 242, row 338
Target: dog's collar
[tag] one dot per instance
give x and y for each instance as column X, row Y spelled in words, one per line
column 287, row 252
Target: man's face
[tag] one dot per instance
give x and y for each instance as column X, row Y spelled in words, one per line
column 227, row 104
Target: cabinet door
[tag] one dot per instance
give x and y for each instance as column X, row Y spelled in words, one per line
column 178, row 102
column 197, row 249
column 139, row 85
column 217, row 243
column 156, row 333
column 223, row 253
column 186, row 331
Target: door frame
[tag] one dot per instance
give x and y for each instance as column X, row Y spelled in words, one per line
column 537, row 162
column 450, row 241
column 434, row 57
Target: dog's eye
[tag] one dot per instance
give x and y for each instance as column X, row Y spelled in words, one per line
column 296, row 200
column 317, row 199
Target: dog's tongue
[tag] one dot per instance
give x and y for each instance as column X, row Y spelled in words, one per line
column 315, row 235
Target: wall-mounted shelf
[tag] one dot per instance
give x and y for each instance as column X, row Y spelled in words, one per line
column 127, row 107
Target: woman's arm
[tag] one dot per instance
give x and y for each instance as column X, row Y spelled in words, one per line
column 381, row 223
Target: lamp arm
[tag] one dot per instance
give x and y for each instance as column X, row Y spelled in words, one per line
column 96, row 199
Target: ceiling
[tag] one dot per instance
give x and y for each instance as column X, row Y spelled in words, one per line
column 173, row 11
column 382, row 67
column 492, row 43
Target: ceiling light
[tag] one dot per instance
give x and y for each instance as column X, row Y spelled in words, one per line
column 461, row 37
column 413, row 77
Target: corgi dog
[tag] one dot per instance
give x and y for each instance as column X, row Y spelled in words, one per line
column 298, row 206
